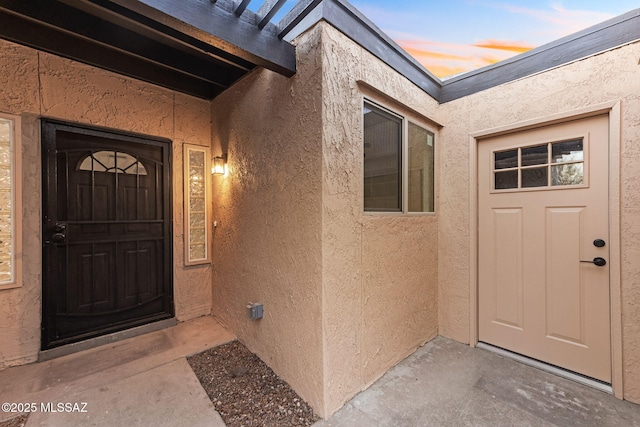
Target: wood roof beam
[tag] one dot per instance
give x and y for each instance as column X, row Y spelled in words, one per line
column 266, row 12
column 215, row 25
column 241, row 7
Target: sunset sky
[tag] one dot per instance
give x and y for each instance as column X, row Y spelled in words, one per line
column 454, row 36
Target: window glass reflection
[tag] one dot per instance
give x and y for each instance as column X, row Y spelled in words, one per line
column 505, row 180
column 421, row 171
column 535, row 177
column 537, row 155
column 569, row 174
column 506, row 159
column 382, row 154
column 568, row 151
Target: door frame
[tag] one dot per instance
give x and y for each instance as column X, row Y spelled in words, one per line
column 49, row 125
column 613, row 110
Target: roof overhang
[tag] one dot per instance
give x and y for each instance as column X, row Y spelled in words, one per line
column 199, row 47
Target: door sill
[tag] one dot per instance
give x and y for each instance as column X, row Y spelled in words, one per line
column 581, row 379
column 75, row 347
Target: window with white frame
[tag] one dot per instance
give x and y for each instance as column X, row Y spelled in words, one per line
column 398, row 163
column 10, row 206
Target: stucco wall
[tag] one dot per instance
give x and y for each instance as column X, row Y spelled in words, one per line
column 267, row 246
column 380, row 271
column 609, row 76
column 37, row 84
column 346, row 295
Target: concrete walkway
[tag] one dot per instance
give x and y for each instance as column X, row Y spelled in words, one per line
column 146, row 381
column 141, row 381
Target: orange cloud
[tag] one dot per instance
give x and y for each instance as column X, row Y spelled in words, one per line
column 504, row 45
column 448, row 59
column 415, row 52
column 490, row 60
column 442, row 71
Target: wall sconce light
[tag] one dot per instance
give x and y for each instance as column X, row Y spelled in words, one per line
column 219, row 165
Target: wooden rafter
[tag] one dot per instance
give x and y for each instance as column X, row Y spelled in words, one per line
column 266, row 12
column 193, row 46
column 241, row 7
column 295, row 16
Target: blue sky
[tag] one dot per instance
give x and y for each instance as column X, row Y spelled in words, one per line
column 450, row 37
column 453, row 36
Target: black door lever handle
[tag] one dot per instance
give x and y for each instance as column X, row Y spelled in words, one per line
column 600, row 262
column 58, row 237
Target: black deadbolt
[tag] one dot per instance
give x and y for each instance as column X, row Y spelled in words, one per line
column 598, row 243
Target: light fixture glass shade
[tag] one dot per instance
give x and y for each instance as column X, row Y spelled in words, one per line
column 218, row 165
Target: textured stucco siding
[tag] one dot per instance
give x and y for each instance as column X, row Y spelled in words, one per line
column 610, row 76
column 346, row 295
column 379, row 271
column 267, row 245
column 37, row 84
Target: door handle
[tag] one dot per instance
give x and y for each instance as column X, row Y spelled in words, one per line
column 600, row 262
column 58, row 237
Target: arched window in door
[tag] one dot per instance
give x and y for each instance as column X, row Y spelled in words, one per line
column 113, row 162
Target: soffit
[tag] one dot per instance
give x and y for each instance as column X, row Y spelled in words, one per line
column 198, row 47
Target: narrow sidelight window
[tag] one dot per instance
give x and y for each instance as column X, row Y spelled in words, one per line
column 10, row 205
column 196, row 204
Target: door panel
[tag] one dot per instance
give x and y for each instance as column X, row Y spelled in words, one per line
column 543, row 200
column 564, row 314
column 507, row 260
column 106, row 231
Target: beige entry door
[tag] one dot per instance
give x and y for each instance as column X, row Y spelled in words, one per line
column 544, row 245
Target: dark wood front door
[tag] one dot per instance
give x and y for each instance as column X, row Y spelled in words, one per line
column 106, row 232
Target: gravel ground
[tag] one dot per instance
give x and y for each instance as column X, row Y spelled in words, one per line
column 246, row 392
column 15, row 422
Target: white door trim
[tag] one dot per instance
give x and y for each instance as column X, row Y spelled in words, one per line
column 613, row 110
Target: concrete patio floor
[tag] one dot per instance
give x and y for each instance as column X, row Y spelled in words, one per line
column 446, row 383
column 146, row 381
